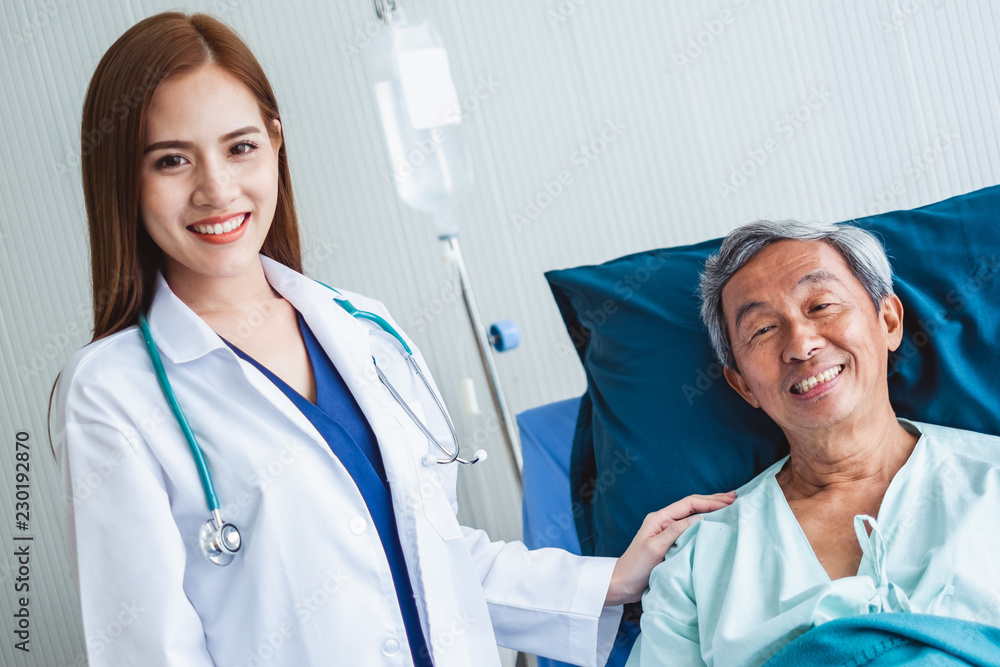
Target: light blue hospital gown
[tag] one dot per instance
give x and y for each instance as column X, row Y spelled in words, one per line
column 744, row 582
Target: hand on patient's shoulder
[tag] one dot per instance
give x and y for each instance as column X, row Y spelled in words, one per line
column 658, row 532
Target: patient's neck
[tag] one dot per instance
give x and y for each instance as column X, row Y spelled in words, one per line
column 831, row 478
column 860, row 456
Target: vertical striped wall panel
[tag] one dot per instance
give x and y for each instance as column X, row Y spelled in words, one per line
column 905, row 110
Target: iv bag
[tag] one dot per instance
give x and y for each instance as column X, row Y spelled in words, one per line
column 429, row 164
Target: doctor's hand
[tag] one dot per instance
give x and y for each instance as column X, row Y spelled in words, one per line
column 658, row 532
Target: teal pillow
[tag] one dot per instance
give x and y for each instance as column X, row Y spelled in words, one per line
column 659, row 422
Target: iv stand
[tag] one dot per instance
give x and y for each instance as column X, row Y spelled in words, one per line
column 506, row 420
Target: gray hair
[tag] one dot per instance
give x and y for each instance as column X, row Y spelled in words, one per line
column 863, row 253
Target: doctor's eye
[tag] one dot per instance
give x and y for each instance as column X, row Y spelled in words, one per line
column 243, row 148
column 168, row 161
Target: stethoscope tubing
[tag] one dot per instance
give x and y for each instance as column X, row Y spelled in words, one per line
column 451, row 457
column 161, row 376
column 216, row 550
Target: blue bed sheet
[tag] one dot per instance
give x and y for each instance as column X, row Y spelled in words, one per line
column 546, row 444
column 877, row 640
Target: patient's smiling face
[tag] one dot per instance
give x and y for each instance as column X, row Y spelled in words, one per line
column 811, row 350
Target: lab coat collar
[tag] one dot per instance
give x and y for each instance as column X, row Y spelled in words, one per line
column 182, row 336
column 345, row 340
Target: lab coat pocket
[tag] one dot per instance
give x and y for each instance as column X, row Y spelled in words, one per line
column 437, row 509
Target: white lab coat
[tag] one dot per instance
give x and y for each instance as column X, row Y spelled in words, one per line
column 312, row 585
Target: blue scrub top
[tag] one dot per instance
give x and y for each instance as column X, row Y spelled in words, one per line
column 343, row 425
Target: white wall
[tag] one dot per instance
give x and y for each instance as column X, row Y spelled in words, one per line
column 897, row 106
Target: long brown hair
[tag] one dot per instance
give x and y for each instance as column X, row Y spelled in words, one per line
column 123, row 257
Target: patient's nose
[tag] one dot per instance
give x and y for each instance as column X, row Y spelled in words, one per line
column 802, row 340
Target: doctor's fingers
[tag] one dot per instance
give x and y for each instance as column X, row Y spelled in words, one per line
column 694, row 504
column 663, row 540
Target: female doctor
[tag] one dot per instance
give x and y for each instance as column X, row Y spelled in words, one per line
column 347, row 550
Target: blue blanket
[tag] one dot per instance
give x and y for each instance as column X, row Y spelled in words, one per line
column 875, row 640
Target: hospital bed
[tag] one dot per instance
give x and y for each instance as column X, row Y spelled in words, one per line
column 659, row 422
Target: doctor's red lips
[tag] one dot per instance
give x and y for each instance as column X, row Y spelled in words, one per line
column 817, row 383
column 221, row 228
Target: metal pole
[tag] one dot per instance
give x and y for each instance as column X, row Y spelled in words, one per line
column 507, row 423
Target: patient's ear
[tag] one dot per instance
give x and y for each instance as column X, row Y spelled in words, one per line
column 737, row 382
column 892, row 316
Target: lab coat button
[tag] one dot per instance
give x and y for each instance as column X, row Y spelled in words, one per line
column 390, row 647
column 358, row 525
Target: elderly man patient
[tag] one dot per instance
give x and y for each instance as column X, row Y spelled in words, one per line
column 868, row 513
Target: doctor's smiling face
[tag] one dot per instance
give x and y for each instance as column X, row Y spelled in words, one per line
column 810, row 348
column 209, row 176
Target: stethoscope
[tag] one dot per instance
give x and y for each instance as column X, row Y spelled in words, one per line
column 221, row 541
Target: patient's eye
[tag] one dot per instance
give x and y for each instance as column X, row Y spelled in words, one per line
column 761, row 331
column 825, row 308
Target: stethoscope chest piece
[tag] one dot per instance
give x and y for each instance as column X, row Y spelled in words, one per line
column 219, row 541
